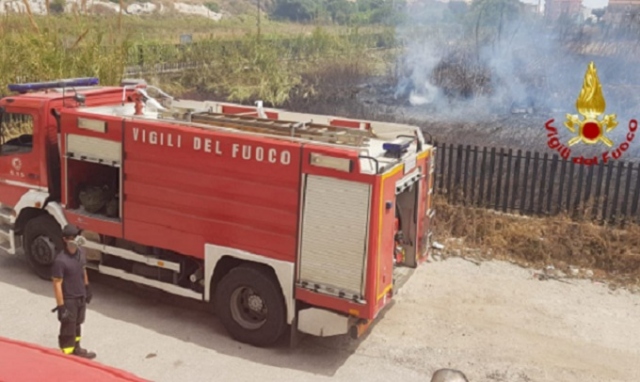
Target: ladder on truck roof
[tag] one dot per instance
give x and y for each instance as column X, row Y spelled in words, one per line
column 305, row 130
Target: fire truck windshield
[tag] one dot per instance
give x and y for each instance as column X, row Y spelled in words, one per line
column 16, row 132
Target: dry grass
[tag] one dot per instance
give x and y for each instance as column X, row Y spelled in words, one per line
column 612, row 254
column 318, row 68
column 39, row 48
column 332, row 80
column 168, row 27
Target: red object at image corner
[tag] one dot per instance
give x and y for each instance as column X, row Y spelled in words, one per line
column 22, row 361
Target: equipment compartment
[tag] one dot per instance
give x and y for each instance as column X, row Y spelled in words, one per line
column 93, row 189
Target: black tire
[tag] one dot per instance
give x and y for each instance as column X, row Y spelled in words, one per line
column 236, row 319
column 42, row 242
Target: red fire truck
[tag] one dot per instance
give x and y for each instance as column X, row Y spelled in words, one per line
column 280, row 220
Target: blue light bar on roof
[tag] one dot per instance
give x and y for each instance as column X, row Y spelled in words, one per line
column 71, row 82
column 397, row 146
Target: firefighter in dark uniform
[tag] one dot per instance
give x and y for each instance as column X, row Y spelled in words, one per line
column 72, row 292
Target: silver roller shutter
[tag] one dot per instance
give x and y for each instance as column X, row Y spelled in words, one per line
column 94, row 149
column 334, row 235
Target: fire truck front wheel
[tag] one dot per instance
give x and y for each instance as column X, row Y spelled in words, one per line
column 250, row 305
column 42, row 242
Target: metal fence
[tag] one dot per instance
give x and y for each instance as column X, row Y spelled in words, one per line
column 163, row 68
column 531, row 183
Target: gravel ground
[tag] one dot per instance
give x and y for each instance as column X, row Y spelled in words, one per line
column 494, row 321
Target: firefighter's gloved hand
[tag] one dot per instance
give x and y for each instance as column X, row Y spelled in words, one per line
column 63, row 313
column 89, row 296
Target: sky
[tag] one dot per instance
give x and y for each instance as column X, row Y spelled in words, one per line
column 595, row 3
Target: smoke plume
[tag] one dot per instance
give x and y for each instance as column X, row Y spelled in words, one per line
column 497, row 56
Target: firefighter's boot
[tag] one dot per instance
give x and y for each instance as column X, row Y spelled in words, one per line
column 84, row 353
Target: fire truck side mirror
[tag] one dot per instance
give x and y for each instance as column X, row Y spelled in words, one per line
column 80, row 98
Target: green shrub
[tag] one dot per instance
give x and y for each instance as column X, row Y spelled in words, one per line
column 42, row 51
column 57, row 6
column 213, row 7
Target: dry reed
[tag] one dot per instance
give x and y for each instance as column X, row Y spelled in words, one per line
column 611, row 253
column 58, row 47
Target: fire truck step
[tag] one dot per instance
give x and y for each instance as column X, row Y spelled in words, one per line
column 5, row 214
column 170, row 288
column 5, row 239
column 5, row 232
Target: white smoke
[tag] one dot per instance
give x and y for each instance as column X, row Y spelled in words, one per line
column 529, row 66
column 528, row 62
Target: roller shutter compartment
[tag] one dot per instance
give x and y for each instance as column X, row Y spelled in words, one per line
column 334, row 238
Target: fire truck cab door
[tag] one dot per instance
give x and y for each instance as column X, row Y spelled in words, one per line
column 19, row 148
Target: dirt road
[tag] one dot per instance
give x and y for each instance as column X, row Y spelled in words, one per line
column 498, row 323
column 495, row 322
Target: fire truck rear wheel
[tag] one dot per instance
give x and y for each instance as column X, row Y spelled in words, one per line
column 43, row 240
column 250, row 305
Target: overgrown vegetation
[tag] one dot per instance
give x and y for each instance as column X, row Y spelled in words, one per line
column 611, row 253
column 242, row 62
column 321, row 65
column 247, row 66
column 340, row 11
column 168, row 27
column 213, row 7
column 41, row 50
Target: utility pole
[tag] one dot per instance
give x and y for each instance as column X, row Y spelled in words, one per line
column 120, row 17
column 258, row 2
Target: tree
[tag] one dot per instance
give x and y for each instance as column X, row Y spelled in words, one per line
column 598, row 13
column 491, row 17
column 57, row 6
column 294, row 10
column 457, row 8
column 340, row 11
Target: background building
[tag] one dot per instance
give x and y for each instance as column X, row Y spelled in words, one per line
column 553, row 9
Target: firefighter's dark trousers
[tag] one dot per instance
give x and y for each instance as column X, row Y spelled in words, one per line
column 70, row 331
